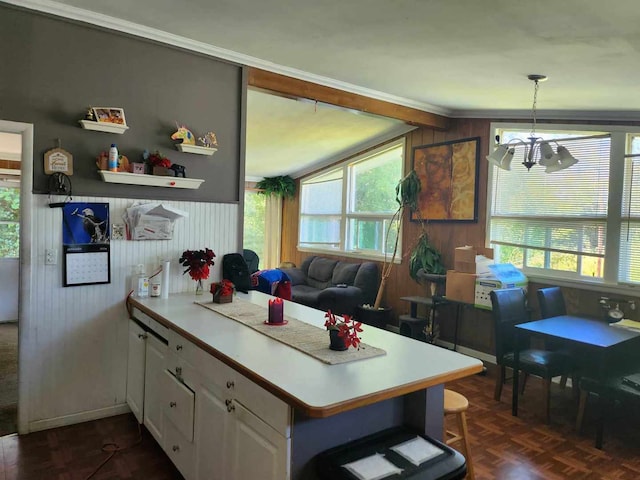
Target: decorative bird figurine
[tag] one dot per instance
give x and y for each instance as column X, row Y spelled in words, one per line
column 209, row 140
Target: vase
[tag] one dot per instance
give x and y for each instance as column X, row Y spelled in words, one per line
column 337, row 342
column 223, row 298
column 199, row 287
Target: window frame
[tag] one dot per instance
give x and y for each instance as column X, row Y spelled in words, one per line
column 609, row 282
column 346, row 214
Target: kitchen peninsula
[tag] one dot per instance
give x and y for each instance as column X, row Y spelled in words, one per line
column 226, row 401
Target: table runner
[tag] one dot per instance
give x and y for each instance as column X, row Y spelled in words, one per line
column 309, row 339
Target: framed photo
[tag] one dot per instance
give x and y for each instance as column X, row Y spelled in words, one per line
column 448, row 172
column 109, row 115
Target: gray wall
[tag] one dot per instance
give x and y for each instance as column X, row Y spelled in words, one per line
column 53, row 69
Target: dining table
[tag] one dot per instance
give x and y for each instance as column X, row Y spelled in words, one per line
column 598, row 339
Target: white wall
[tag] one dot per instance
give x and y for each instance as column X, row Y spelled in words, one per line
column 10, row 282
column 75, row 338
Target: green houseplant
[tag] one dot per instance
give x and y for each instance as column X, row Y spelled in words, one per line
column 282, row 186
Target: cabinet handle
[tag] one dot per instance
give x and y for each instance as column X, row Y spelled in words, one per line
column 230, row 384
column 231, row 407
column 178, row 371
column 178, row 347
column 142, row 336
column 176, row 448
column 227, row 402
column 172, row 404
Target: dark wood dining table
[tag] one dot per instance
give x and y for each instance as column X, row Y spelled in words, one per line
column 597, row 336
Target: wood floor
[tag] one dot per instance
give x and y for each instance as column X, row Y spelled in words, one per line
column 503, row 447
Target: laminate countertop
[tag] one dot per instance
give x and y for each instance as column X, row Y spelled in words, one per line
column 307, row 384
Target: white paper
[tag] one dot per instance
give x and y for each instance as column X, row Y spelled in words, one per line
column 374, row 467
column 417, row 450
column 151, row 221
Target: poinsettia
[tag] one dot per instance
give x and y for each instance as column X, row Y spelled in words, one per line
column 223, row 288
column 197, row 263
column 158, row 160
column 347, row 328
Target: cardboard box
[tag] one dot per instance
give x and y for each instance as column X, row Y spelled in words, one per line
column 476, row 260
column 503, row 275
column 461, row 286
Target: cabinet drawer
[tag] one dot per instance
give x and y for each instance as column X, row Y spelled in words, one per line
column 179, row 450
column 263, row 404
column 179, row 405
column 153, row 325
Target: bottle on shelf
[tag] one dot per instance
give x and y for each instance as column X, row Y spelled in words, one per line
column 113, row 158
column 140, row 285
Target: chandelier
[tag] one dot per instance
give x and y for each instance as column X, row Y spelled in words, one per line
column 536, row 150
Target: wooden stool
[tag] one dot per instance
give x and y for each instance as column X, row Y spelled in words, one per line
column 457, row 404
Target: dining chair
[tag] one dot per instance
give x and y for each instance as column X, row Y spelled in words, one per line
column 551, row 302
column 613, row 391
column 510, row 309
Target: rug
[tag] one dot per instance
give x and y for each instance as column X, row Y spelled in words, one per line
column 300, row 335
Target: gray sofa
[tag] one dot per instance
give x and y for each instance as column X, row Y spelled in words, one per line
column 328, row 284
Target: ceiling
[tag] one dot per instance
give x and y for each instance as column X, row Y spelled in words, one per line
column 462, row 58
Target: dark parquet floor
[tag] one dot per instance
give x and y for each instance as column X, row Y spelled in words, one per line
column 525, row 448
column 503, row 447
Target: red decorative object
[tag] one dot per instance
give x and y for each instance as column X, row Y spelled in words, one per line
column 156, row 159
column 347, row 328
column 222, row 291
column 197, row 263
column 276, row 307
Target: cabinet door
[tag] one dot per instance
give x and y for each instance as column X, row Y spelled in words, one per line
column 135, row 369
column 211, row 432
column 257, row 450
column 153, row 392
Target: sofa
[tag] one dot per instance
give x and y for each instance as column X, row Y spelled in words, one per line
column 328, row 284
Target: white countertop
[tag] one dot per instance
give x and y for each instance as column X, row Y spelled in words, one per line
column 316, row 388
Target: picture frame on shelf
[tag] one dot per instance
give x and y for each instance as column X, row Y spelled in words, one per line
column 448, row 173
column 109, row 115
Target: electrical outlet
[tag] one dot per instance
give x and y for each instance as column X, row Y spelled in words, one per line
column 50, row 256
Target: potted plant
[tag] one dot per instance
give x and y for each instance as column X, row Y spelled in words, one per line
column 343, row 331
column 222, row 291
column 283, row 186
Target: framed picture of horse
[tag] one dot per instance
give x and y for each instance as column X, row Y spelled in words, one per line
column 109, row 115
column 448, row 173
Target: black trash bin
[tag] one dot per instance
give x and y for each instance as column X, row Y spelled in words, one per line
column 448, row 465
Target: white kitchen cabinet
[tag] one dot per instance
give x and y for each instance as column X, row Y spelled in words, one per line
column 211, row 432
column 156, row 352
column 256, row 449
column 136, row 370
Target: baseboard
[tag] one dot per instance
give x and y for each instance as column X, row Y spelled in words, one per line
column 485, row 357
column 78, row 418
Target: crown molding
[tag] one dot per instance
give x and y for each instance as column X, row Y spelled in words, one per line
column 131, row 28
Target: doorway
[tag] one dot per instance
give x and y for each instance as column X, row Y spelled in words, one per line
column 16, row 168
column 10, row 172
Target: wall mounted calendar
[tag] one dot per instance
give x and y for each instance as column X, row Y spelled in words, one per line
column 85, row 238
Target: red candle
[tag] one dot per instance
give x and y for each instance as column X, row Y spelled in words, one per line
column 275, row 310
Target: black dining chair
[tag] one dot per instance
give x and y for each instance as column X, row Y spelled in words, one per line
column 510, row 309
column 551, row 302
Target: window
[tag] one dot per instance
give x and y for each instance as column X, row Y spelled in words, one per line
column 254, row 223
column 349, row 208
column 582, row 223
column 9, row 222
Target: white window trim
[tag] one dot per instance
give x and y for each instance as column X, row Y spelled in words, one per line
column 362, row 254
column 616, row 180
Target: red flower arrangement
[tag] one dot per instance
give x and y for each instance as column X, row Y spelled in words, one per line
column 348, row 329
column 156, row 159
column 222, row 289
column 197, row 263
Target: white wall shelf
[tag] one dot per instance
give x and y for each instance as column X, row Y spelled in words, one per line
column 103, row 126
column 195, row 149
column 150, row 180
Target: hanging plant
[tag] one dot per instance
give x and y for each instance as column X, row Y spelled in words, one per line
column 283, row 186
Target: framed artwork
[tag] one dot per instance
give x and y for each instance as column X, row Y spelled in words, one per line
column 448, row 172
column 109, row 115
